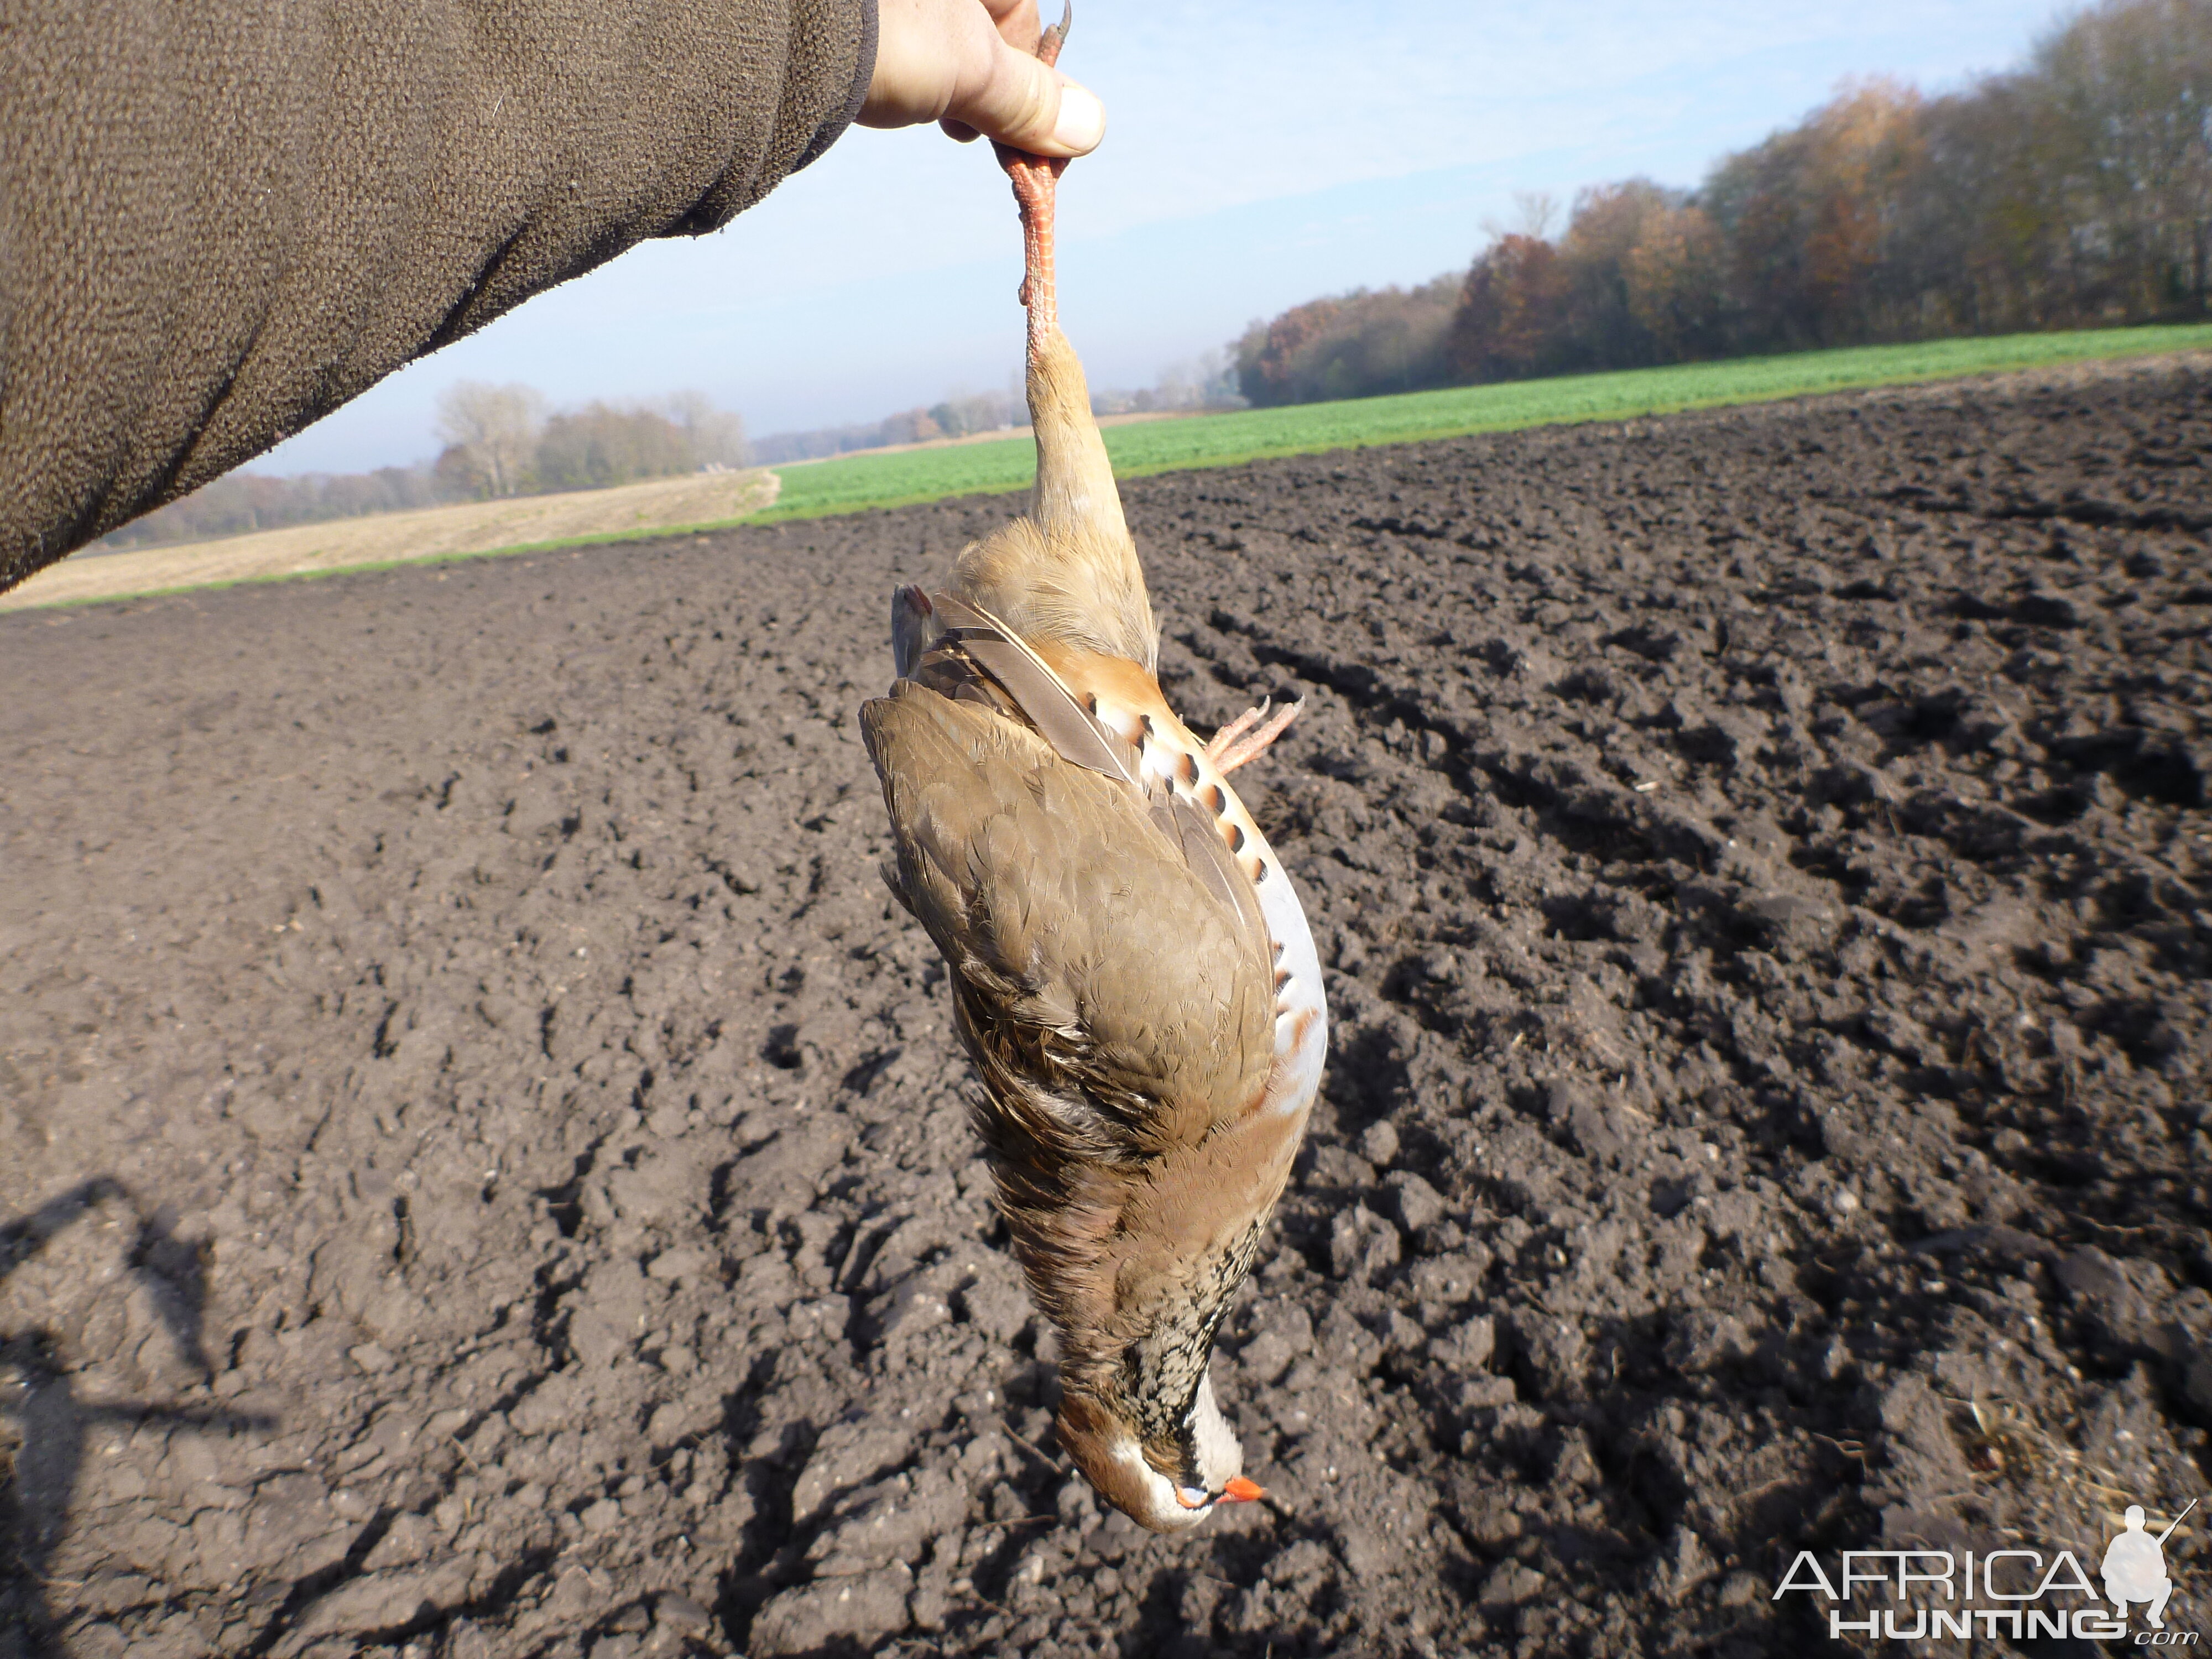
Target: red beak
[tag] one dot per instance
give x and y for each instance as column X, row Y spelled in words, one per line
column 1241, row 1491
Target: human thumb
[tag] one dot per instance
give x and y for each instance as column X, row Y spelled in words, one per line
column 1026, row 106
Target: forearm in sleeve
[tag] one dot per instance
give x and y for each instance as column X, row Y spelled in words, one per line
column 220, row 219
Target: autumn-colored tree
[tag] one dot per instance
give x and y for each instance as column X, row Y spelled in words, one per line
column 1675, row 274
column 1509, row 317
column 1807, row 218
column 1642, row 278
column 1354, row 345
column 1598, row 326
column 1266, row 356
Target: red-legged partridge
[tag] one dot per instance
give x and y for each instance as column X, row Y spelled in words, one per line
column 1130, row 968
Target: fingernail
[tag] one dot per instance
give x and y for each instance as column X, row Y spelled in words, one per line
column 1082, row 121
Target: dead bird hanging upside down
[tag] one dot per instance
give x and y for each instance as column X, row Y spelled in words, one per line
column 1131, row 970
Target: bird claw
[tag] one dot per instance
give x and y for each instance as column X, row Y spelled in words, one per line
column 1237, row 743
column 1048, row 43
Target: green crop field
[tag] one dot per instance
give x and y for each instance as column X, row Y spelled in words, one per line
column 815, row 490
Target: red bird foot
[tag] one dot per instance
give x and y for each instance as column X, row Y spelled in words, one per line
column 1237, row 742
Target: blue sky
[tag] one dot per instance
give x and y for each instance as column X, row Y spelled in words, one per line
column 1257, row 155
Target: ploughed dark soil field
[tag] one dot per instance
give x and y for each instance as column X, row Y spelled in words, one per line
column 484, row 1159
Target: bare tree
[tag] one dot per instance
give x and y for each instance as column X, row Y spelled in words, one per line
column 1534, row 213
column 717, row 435
column 494, row 428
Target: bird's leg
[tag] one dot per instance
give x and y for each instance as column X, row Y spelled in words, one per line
column 1036, row 179
column 1236, row 743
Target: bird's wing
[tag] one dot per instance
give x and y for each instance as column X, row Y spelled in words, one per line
column 972, row 645
column 1117, row 1005
column 972, row 656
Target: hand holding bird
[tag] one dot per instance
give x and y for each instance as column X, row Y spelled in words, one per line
column 972, row 66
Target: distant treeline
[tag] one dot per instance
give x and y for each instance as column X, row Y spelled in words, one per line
column 2075, row 191
column 1209, row 383
column 954, row 417
column 238, row 502
column 498, row 441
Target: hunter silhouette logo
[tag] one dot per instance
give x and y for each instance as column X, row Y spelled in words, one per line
column 2134, row 1567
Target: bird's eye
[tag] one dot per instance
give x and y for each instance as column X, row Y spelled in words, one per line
column 1191, row 1498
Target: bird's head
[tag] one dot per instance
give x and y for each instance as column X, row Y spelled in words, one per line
column 1169, row 1483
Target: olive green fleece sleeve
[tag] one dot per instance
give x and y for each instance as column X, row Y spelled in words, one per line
column 220, row 220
